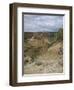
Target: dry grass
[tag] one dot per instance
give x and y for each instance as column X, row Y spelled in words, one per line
column 49, row 61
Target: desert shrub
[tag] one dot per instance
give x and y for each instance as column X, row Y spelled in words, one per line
column 35, row 53
column 28, row 60
column 38, row 63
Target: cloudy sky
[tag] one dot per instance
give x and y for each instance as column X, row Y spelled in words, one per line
column 42, row 23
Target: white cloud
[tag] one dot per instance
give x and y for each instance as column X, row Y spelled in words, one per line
column 40, row 23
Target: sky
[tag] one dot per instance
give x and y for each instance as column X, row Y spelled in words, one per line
column 42, row 23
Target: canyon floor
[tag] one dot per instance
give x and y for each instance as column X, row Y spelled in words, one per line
column 48, row 61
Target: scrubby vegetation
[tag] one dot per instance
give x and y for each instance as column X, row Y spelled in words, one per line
column 60, row 35
column 43, row 52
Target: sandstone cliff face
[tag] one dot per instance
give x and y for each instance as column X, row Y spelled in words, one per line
column 42, row 53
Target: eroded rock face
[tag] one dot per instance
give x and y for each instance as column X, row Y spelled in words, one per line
column 35, row 46
column 38, row 43
column 42, row 55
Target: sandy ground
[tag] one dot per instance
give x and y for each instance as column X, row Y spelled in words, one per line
column 48, row 62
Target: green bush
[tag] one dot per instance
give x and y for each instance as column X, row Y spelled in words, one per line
column 60, row 34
